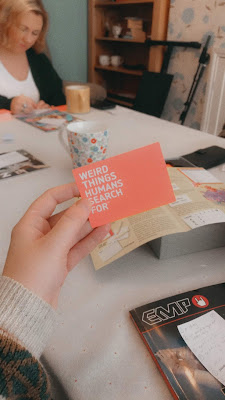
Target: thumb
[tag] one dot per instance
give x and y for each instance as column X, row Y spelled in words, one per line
column 66, row 232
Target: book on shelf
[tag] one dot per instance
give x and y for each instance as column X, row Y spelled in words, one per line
column 172, row 326
column 138, row 35
column 134, row 23
column 200, row 202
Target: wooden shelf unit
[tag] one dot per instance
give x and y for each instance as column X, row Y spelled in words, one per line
column 134, row 52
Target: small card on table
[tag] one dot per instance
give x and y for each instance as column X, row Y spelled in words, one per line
column 124, row 185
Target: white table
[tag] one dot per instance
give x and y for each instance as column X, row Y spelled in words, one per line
column 96, row 352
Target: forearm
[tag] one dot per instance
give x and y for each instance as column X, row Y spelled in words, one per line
column 26, row 322
column 5, row 102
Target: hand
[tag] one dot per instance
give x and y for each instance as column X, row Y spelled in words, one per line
column 44, row 248
column 201, row 302
column 42, row 105
column 22, row 105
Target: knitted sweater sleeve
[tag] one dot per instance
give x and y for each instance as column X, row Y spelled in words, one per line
column 46, row 78
column 26, row 323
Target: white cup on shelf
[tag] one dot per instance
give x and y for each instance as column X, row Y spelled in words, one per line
column 104, row 59
column 116, row 61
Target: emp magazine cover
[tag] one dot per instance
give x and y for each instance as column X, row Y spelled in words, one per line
column 157, row 324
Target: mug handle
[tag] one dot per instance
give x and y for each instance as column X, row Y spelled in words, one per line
column 61, row 138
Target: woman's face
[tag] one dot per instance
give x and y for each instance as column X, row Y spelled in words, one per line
column 24, row 33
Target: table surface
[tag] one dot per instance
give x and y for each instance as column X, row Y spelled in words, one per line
column 96, row 352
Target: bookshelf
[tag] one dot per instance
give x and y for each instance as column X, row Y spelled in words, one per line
column 150, row 17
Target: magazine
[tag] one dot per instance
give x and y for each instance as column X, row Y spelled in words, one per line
column 18, row 162
column 49, row 120
column 200, row 200
column 158, row 325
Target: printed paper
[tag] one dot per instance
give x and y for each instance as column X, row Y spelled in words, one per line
column 124, row 185
column 207, row 206
column 199, row 175
column 181, row 199
column 48, row 120
column 204, row 217
column 15, row 163
column 11, row 158
column 205, row 336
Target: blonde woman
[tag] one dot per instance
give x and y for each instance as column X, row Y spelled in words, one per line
column 27, row 79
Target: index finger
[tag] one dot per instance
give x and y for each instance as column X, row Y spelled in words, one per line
column 45, row 205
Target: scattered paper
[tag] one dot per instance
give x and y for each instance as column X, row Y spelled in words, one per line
column 204, row 217
column 168, row 220
column 200, row 175
column 174, row 186
column 109, row 251
column 47, row 120
column 53, row 121
column 205, row 336
column 181, row 199
column 11, row 158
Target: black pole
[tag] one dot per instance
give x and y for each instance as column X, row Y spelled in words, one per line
column 203, row 61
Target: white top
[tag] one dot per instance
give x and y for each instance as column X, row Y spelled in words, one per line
column 11, row 87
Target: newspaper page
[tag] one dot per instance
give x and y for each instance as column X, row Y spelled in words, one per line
column 196, row 204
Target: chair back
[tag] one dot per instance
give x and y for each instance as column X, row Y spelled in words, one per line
column 152, row 93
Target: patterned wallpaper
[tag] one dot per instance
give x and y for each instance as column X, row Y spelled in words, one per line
column 191, row 20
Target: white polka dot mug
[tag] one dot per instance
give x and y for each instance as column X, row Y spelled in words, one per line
column 87, row 142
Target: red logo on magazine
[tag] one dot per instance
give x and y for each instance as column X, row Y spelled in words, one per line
column 200, row 301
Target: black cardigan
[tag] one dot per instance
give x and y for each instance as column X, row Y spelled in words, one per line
column 46, row 79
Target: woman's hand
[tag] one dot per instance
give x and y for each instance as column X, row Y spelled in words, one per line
column 42, row 105
column 22, row 105
column 44, row 248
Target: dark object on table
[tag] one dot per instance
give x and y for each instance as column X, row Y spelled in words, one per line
column 207, row 158
column 179, row 162
column 103, row 104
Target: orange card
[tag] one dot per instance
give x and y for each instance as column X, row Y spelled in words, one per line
column 60, row 108
column 5, row 115
column 124, row 185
